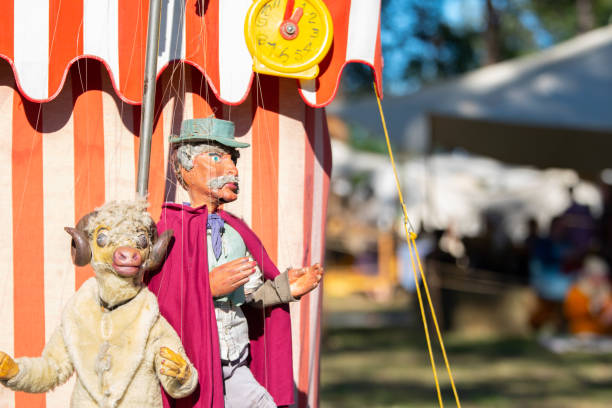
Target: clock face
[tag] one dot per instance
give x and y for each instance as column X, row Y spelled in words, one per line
column 288, row 35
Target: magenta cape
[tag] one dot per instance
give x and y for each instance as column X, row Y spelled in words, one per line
column 183, row 293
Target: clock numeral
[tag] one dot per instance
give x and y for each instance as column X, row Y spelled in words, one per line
column 284, row 55
column 303, row 4
column 261, row 22
column 297, row 55
column 314, row 33
column 275, row 3
column 272, row 44
column 308, row 47
column 265, row 10
column 311, row 17
column 261, row 39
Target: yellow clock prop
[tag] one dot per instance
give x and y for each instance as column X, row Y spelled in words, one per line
column 288, row 37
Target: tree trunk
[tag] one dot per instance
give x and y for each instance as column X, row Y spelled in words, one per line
column 586, row 18
column 492, row 37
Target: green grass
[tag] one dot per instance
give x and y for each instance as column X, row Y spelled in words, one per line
column 390, row 368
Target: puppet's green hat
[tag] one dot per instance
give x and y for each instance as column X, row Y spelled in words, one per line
column 207, row 129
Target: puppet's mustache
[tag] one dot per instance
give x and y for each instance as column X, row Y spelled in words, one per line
column 219, row 182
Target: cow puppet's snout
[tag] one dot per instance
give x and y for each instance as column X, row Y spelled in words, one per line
column 127, row 261
column 127, row 256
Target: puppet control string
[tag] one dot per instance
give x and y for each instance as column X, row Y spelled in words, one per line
column 409, row 229
column 414, row 254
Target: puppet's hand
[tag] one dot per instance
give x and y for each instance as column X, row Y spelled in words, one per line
column 302, row 281
column 173, row 365
column 228, row 277
column 8, row 367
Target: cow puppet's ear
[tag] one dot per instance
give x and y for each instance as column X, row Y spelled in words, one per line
column 80, row 249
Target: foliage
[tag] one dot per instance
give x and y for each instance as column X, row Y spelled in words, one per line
column 560, row 19
column 418, row 46
column 362, row 139
column 421, row 44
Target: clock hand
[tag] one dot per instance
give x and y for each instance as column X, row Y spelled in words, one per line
column 289, row 28
column 297, row 15
column 289, row 9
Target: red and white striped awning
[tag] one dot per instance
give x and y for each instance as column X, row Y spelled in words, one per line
column 42, row 38
column 69, row 142
column 61, row 159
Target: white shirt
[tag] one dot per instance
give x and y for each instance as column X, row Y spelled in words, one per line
column 231, row 322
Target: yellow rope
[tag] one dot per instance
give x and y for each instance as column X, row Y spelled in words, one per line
column 433, row 316
column 410, row 240
column 424, row 318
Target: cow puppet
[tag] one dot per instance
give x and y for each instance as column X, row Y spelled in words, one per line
column 111, row 332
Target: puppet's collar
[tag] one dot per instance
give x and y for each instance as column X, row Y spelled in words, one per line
column 110, row 308
column 185, row 207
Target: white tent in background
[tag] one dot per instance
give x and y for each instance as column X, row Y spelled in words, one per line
column 454, row 190
column 548, row 109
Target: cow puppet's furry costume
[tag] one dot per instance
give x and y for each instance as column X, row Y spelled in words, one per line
column 111, row 332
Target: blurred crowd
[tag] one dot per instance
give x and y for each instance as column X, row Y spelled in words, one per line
column 566, row 263
column 569, row 270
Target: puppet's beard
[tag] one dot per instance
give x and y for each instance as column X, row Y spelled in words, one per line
column 219, row 182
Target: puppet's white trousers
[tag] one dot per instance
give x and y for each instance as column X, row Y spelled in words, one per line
column 242, row 389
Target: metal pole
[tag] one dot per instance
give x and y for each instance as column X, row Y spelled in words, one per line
column 148, row 97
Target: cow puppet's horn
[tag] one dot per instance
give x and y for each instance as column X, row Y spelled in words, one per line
column 158, row 251
column 80, row 250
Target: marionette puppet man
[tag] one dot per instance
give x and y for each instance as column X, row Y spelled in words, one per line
column 218, row 287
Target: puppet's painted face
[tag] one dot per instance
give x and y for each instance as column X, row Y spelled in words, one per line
column 214, row 174
column 125, row 251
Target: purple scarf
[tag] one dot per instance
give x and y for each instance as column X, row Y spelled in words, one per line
column 215, row 223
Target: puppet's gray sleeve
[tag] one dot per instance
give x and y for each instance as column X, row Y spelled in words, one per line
column 272, row 292
column 41, row 374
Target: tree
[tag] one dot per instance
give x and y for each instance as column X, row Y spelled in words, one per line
column 564, row 19
column 420, row 46
column 585, row 16
column 492, row 37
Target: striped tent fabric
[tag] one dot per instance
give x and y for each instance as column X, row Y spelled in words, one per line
column 41, row 38
column 65, row 157
column 71, row 74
